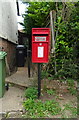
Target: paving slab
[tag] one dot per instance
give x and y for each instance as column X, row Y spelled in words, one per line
column 21, row 78
column 12, row 101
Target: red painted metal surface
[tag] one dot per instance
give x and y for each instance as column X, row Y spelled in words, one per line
column 40, row 45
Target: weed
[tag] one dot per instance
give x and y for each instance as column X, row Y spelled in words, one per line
column 36, row 108
column 53, row 107
column 51, row 92
column 50, row 78
column 44, row 74
column 7, row 115
column 72, row 91
column 45, row 86
column 71, row 108
column 31, row 92
column 70, row 82
column 71, row 88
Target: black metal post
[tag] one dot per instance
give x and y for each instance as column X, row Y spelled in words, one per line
column 29, row 63
column 39, row 80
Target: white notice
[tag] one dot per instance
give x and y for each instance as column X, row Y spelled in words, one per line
column 40, row 38
column 40, row 51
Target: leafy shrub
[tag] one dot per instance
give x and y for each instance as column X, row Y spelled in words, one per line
column 31, row 92
column 66, row 68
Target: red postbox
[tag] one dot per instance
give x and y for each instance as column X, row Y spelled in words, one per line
column 40, row 45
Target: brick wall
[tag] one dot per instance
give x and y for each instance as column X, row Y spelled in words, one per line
column 10, row 48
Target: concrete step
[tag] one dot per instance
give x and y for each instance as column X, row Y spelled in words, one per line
column 21, row 78
column 23, row 83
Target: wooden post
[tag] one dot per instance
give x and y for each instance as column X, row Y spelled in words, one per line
column 52, row 21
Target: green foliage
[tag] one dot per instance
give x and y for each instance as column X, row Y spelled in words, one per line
column 44, row 74
column 65, row 42
column 31, row 93
column 69, row 69
column 71, row 88
column 53, row 107
column 66, row 68
column 37, row 13
column 35, row 109
column 70, row 108
column 72, row 91
column 66, row 35
column 51, row 92
column 70, row 82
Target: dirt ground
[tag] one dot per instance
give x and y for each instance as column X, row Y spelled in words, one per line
column 63, row 96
